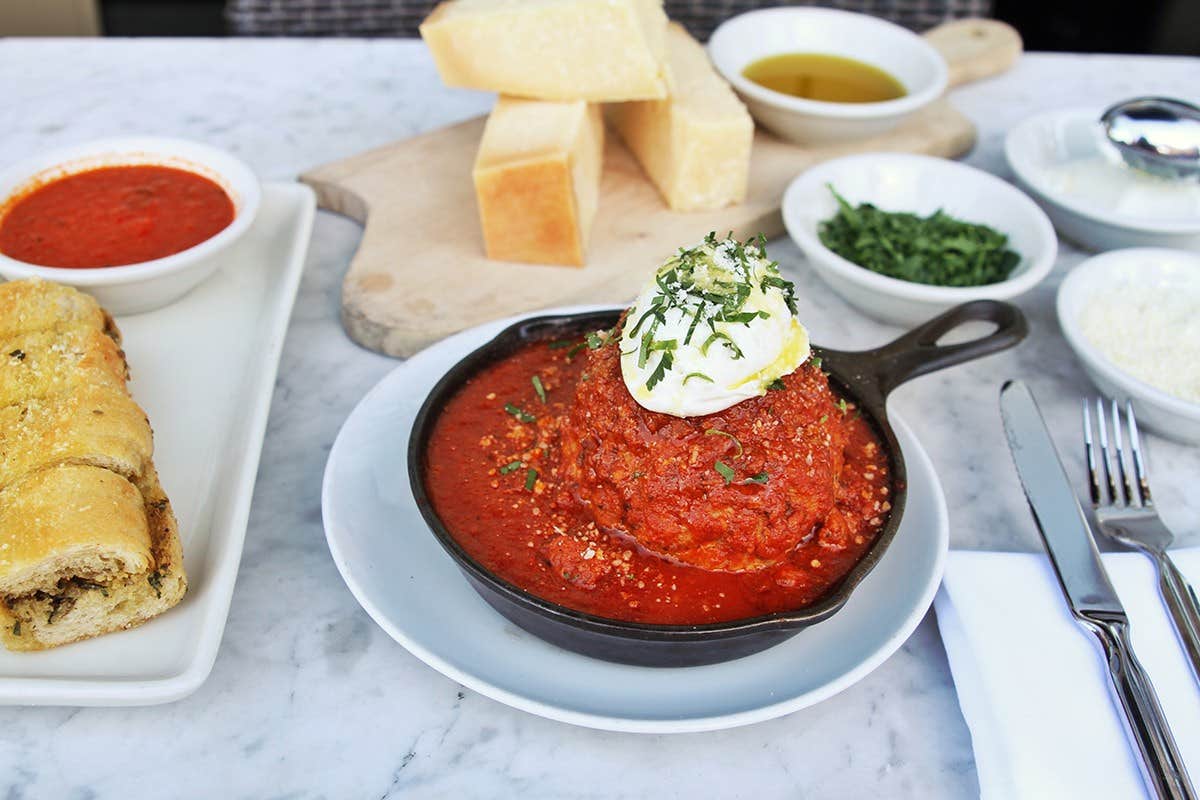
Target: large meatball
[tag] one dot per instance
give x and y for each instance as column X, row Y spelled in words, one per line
column 733, row 491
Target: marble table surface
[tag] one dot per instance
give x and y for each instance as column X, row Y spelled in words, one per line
column 308, row 698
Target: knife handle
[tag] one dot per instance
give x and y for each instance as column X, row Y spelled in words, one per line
column 1162, row 767
column 1185, row 609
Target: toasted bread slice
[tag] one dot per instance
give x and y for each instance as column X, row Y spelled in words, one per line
column 88, row 542
column 94, row 425
column 36, row 305
column 84, row 522
column 40, row 364
column 79, row 608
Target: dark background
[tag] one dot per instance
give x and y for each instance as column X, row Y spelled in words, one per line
column 1095, row 26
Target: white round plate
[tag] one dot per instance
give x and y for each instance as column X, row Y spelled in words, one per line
column 409, row 585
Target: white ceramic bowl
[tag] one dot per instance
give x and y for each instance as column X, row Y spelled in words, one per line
column 746, row 38
column 921, row 185
column 1036, row 150
column 1167, row 414
column 133, row 288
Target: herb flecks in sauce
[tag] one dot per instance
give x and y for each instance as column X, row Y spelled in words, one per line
column 938, row 250
column 519, row 413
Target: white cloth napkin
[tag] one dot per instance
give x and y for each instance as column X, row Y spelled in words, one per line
column 1033, row 686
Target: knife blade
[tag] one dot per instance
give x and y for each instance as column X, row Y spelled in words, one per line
column 1094, row 603
column 1055, row 507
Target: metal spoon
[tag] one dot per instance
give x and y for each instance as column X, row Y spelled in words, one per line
column 1156, row 134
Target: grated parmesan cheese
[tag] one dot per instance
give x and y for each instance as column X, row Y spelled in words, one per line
column 1150, row 332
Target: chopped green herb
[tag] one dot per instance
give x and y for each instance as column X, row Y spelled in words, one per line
column 725, row 470
column 17, row 628
column 574, row 351
column 776, row 385
column 597, row 339
column 561, row 343
column 699, row 375
column 841, row 404
column 823, row 418
column 660, row 371
column 511, row 466
column 937, row 250
column 155, row 581
column 718, row 336
column 521, row 415
column 537, row 387
column 530, row 479
column 761, row 477
column 731, row 437
column 817, row 362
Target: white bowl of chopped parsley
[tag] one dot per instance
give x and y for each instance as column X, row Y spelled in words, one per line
column 905, row 237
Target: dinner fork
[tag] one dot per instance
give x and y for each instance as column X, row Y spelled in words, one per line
column 1125, row 512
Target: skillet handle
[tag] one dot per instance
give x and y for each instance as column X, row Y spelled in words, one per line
column 917, row 352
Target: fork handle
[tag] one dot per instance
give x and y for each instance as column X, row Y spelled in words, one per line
column 1181, row 601
column 1162, row 766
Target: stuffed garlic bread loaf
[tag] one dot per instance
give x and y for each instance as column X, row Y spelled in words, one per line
column 88, row 542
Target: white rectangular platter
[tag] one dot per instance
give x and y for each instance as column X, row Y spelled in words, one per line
column 204, row 370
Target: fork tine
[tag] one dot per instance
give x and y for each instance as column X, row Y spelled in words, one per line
column 1139, row 464
column 1090, row 453
column 1108, row 472
column 1119, row 454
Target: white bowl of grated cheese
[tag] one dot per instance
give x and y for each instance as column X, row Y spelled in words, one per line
column 1133, row 318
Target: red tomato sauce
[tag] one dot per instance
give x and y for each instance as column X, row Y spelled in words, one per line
column 496, row 479
column 113, row 216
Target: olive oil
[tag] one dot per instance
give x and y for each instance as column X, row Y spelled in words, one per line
column 818, row 76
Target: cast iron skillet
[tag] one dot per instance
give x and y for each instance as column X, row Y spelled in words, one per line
column 864, row 377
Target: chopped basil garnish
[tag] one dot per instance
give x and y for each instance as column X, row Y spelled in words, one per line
column 561, row 343
column 761, row 477
column 511, row 466
column 776, row 385
column 660, row 371
column 938, row 250
column 521, row 415
column 530, row 479
column 597, row 339
column 725, row 470
column 537, row 387
column 718, row 336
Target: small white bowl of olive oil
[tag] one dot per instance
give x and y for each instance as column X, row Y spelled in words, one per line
column 819, row 75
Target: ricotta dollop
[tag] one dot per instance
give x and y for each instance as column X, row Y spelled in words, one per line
column 715, row 326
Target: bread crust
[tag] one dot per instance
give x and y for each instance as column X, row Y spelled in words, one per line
column 88, row 540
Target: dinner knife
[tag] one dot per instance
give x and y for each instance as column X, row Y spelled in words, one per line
column 1094, row 602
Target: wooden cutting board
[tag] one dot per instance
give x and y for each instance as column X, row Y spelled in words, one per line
column 420, row 274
